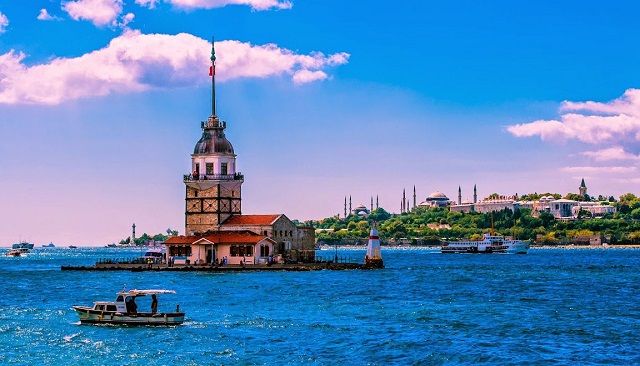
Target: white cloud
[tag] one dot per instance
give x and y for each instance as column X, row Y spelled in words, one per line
column 99, row 12
column 126, row 19
column 44, row 15
column 209, row 4
column 306, row 76
column 135, row 62
column 612, row 153
column 4, row 22
column 600, row 169
column 151, row 4
column 617, row 121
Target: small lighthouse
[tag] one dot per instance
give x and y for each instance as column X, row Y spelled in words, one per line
column 373, row 259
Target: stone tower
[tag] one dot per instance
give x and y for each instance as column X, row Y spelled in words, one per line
column 583, row 188
column 213, row 189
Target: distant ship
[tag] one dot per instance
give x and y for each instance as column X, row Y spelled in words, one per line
column 22, row 245
column 489, row 244
column 50, row 245
column 73, row 247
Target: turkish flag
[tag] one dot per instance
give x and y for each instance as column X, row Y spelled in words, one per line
column 212, row 70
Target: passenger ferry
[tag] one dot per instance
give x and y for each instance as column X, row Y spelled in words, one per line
column 489, row 244
column 124, row 311
column 22, row 245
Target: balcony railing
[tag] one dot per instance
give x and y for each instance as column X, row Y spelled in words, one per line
column 195, row 178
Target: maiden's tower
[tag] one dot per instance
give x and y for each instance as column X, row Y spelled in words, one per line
column 216, row 231
column 213, row 189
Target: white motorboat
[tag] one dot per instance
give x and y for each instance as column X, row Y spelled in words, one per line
column 489, row 244
column 17, row 252
column 124, row 311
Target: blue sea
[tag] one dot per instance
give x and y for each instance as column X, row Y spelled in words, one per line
column 555, row 307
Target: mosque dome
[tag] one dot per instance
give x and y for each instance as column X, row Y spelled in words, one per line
column 437, row 196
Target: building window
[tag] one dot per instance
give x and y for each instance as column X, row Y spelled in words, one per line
column 209, row 168
column 264, row 250
column 197, row 172
column 241, row 250
column 223, row 169
column 280, row 233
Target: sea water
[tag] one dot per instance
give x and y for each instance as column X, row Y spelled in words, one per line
column 571, row 307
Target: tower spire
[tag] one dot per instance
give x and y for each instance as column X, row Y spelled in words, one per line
column 475, row 194
column 345, row 207
column 414, row 198
column 212, row 73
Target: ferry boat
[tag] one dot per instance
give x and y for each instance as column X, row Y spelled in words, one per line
column 489, row 244
column 22, row 245
column 50, row 245
column 124, row 311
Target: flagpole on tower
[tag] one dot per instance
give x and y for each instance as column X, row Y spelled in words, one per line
column 212, row 73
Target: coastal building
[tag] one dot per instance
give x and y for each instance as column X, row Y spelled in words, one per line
column 215, row 228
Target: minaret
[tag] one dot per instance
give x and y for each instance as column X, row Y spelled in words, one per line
column 414, row 198
column 350, row 209
column 371, row 204
column 345, row 207
column 213, row 189
column 475, row 194
column 133, row 234
column 404, row 201
column 459, row 195
column 377, row 205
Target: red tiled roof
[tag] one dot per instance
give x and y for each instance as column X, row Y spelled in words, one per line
column 181, row 239
column 224, row 237
column 234, row 237
column 250, row 220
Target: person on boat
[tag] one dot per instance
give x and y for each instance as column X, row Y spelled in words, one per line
column 154, row 304
column 132, row 307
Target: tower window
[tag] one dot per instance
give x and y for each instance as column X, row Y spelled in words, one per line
column 209, row 168
column 223, row 169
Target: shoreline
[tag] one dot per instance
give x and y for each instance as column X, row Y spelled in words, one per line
column 534, row 246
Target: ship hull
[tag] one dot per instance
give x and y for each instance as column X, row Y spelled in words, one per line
column 90, row 316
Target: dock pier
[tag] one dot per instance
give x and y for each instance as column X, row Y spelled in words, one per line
column 136, row 267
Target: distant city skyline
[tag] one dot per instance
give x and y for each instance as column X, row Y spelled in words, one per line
column 101, row 103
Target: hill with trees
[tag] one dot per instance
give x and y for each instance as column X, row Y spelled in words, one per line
column 432, row 225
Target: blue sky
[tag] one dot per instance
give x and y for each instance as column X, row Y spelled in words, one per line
column 429, row 95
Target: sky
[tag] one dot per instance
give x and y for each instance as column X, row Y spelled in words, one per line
column 101, row 103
